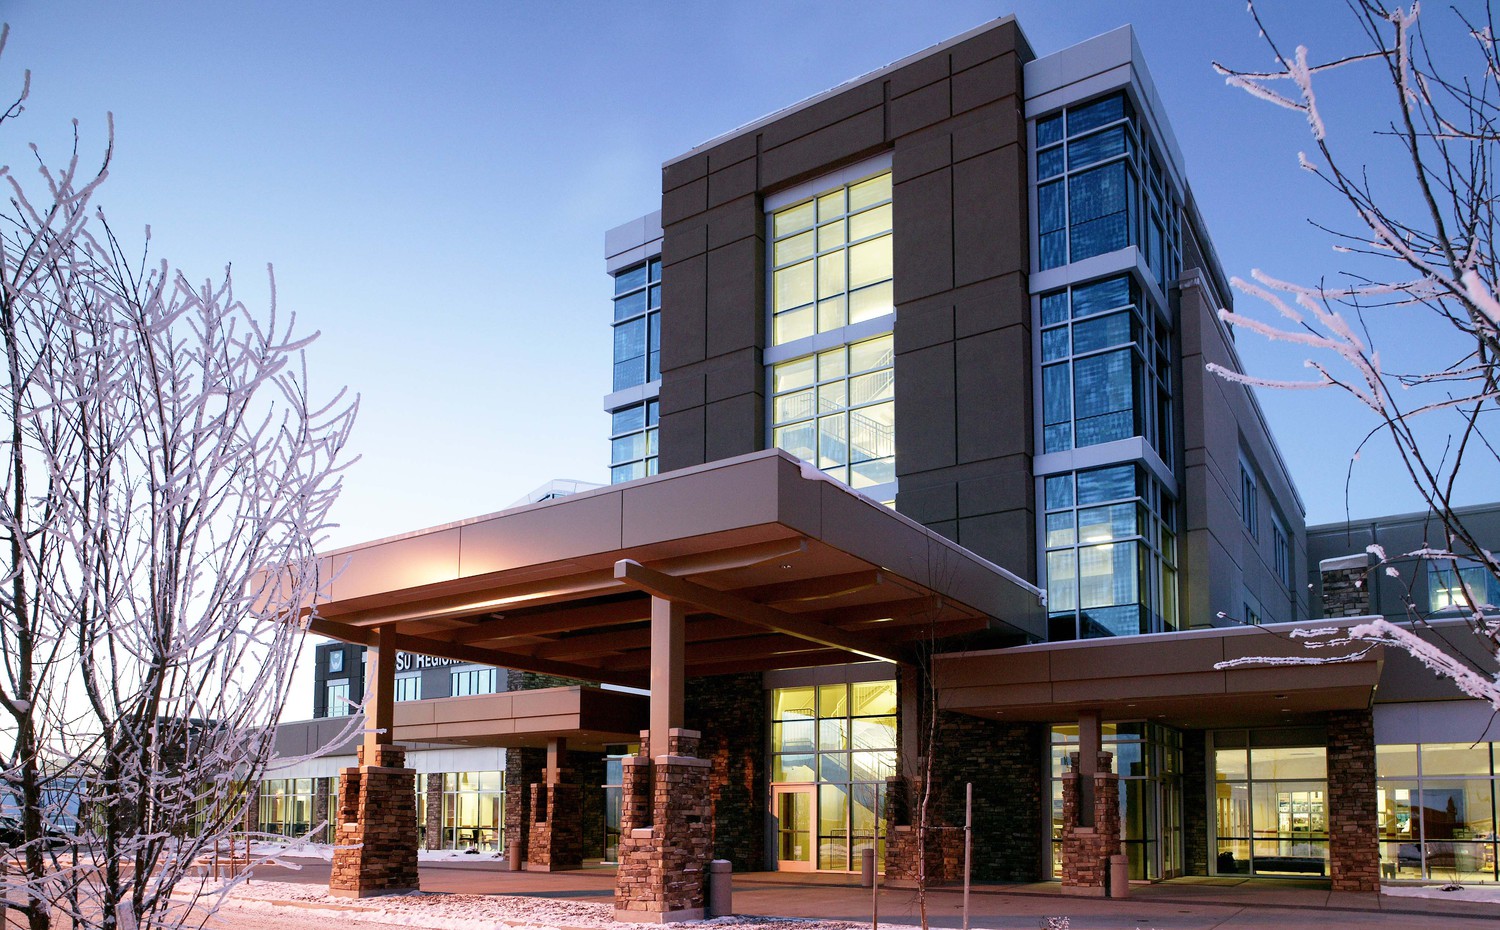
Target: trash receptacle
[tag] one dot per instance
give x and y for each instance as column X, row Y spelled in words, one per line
column 1119, row 876
column 513, row 856
column 720, row 892
column 867, row 868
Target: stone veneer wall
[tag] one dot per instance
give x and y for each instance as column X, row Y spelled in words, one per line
column 1346, row 590
column 1353, row 837
column 662, row 875
column 1195, row 788
column 377, row 818
column 320, row 811
column 1086, row 850
column 944, row 845
column 731, row 713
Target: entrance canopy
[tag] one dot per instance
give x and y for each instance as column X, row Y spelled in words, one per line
column 772, row 564
column 1168, row 678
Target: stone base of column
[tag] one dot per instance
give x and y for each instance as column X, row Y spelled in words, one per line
column 908, row 863
column 665, row 838
column 1086, row 849
column 555, row 833
column 376, row 829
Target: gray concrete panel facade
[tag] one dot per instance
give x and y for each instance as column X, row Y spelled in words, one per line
column 951, row 122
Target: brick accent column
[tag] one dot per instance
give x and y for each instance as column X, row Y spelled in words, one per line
column 377, row 827
column 1353, row 833
column 905, row 842
column 1086, row 849
column 665, row 834
column 555, row 831
column 522, row 766
column 1195, row 788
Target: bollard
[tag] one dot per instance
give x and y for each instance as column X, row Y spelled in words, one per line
column 867, row 868
column 1119, row 876
column 513, row 856
column 720, row 892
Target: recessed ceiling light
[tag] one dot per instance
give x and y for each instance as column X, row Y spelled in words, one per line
column 786, row 564
column 1280, row 697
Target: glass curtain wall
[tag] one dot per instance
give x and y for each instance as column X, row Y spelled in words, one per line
column 286, row 806
column 1437, row 811
column 840, row 739
column 1111, row 554
column 632, row 441
column 1106, row 368
column 637, row 325
column 837, row 409
column 1101, row 187
column 1148, row 759
column 1270, row 799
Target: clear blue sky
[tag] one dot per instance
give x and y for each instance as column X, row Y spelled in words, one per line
column 432, row 183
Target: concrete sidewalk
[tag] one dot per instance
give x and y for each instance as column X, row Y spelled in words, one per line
column 1180, row 904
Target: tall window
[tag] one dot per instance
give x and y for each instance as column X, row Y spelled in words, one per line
column 1111, row 554
column 1270, row 807
column 836, row 409
column 1100, row 187
column 842, row 738
column 632, row 442
column 638, row 325
column 473, row 810
column 286, row 806
column 337, row 693
column 470, row 680
column 1281, row 553
column 1249, row 499
column 831, row 260
column 1106, row 370
column 408, row 687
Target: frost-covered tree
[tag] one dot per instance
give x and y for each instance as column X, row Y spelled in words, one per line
column 1418, row 248
column 165, row 478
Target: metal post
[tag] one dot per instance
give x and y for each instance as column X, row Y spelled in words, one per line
column 968, row 844
column 875, row 880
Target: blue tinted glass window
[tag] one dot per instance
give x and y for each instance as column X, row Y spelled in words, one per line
column 1096, row 194
column 1096, row 114
column 655, row 296
column 1054, row 249
column 652, row 407
column 1051, row 209
column 623, row 421
column 1049, row 163
column 630, row 340
column 1049, row 130
column 1059, row 491
column 656, row 269
column 1099, row 296
column 1098, row 147
column 1106, row 484
column 1054, row 344
column 1102, row 383
column 1112, row 621
column 1056, row 406
column 1101, row 332
column 630, row 305
column 630, row 279
column 1054, row 308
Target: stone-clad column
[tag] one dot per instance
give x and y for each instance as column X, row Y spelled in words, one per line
column 1086, row 847
column 377, row 826
column 665, row 833
column 555, row 831
column 1353, row 822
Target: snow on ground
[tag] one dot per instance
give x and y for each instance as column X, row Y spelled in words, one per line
column 324, row 851
column 476, row 912
column 1489, row 894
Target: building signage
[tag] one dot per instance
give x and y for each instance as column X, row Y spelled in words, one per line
column 405, row 661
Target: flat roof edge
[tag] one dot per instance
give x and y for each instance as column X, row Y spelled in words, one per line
column 1009, row 18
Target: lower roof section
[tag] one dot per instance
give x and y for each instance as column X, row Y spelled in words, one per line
column 588, row 718
column 1169, row 678
column 776, row 566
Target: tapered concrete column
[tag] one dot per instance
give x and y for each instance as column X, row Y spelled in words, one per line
column 376, row 815
column 555, row 831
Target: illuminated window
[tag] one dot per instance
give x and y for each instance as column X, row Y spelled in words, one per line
column 1460, row 588
column 836, row 409
column 1270, row 807
column 473, row 810
column 408, row 687
column 831, row 260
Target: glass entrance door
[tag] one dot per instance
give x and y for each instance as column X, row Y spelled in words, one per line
column 792, row 811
